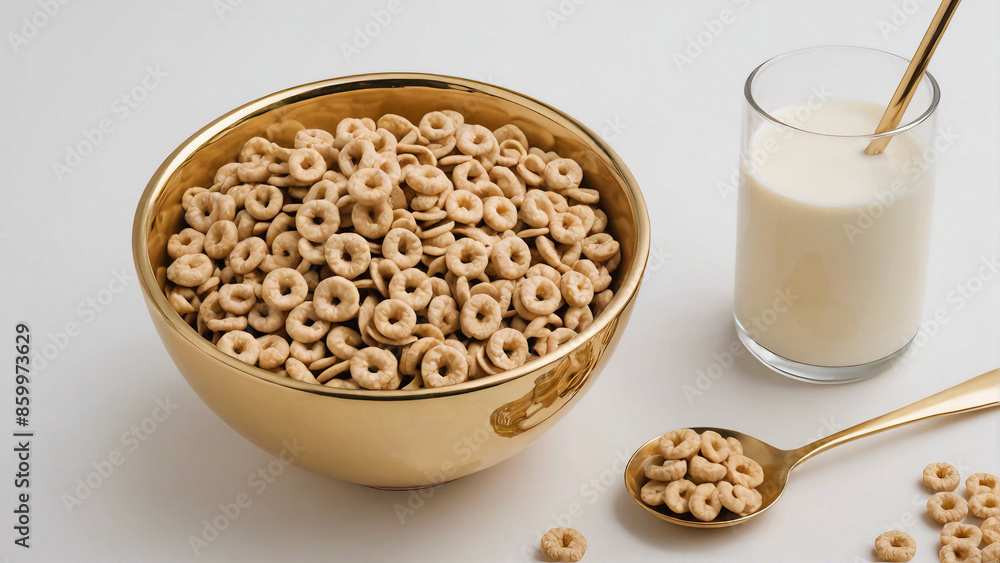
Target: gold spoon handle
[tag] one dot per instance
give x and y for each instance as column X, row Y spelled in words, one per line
column 914, row 73
column 977, row 393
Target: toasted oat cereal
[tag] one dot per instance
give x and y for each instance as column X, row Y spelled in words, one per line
column 947, row 507
column 941, row 477
column 380, row 233
column 985, row 505
column 991, row 529
column 564, row 544
column 895, row 546
column 960, row 552
column 982, row 483
column 959, row 532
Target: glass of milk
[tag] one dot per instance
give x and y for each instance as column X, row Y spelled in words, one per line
column 832, row 243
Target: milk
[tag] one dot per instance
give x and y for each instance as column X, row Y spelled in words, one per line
column 832, row 242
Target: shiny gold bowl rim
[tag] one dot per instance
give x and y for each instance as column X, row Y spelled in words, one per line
column 147, row 281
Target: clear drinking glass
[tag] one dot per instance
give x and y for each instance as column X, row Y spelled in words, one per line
column 832, row 243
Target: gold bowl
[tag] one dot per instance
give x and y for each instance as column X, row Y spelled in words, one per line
column 390, row 439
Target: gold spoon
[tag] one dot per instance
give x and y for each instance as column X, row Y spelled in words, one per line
column 977, row 393
column 914, row 73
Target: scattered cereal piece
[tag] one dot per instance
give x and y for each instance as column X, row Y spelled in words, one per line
column 947, row 507
column 564, row 544
column 960, row 552
column 941, row 477
column 895, row 546
column 956, row 531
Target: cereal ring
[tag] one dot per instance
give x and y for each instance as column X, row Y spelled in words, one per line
column 755, row 502
column 539, row 296
column 958, row 532
column 240, row 345
column 733, row 497
column 982, row 483
column 741, row 470
column 413, row 355
column 578, row 318
column 704, row 471
column 411, row 286
column 536, row 209
column 947, row 507
column 567, row 228
column 652, row 492
column 247, row 255
column 563, row 544
column 443, row 358
column 304, row 325
column 375, row 368
column 557, row 338
column 372, row 221
column 273, row 351
column 562, row 174
column 508, row 349
column 991, row 530
column 530, row 169
column 985, row 505
column 317, row 220
column 394, row 319
column 403, row 247
column 991, row 553
column 307, row 353
column 284, row 252
column 208, row 207
column 343, row 342
column 677, row 495
column 960, row 552
column 714, row 447
column 680, row 444
column 576, row 288
column 298, row 370
column 357, row 154
column 475, row 140
column 183, row 300
column 704, row 502
column 352, row 245
column 284, row 289
column 735, row 447
column 370, row 186
column 237, row 298
column 467, row 257
column 480, row 317
column 336, row 299
column 443, row 313
column 264, row 318
column 188, row 241
column 220, row 239
column 600, row 247
column 436, row 126
column 264, row 202
column 895, row 546
column 427, row 179
column 190, row 270
column 499, row 213
column 464, row 206
column 941, row 477
column 511, row 258
column 601, row 300
column 655, row 467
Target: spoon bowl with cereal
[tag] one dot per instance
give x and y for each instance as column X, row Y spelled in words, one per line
column 705, row 477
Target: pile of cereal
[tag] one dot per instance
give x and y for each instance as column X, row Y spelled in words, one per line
column 702, row 474
column 390, row 255
column 960, row 541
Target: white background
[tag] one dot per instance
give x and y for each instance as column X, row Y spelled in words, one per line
column 611, row 65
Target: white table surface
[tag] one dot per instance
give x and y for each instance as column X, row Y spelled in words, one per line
column 65, row 244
